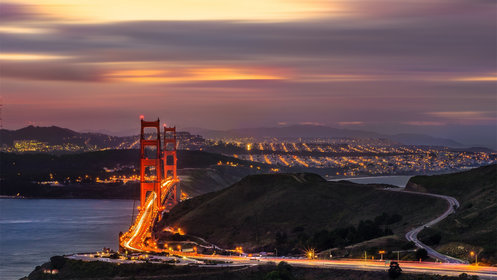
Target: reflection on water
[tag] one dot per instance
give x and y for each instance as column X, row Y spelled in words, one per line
column 33, row 230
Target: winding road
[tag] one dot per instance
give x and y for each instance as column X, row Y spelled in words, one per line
column 413, row 234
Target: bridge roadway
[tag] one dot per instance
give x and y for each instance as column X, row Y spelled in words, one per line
column 134, row 239
column 139, row 230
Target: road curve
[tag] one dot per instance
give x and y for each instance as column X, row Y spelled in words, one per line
column 413, row 234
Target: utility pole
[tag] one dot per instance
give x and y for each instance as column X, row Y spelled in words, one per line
column 398, row 254
column 381, row 253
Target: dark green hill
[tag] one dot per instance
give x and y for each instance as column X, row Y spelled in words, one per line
column 37, row 166
column 263, row 211
column 474, row 225
column 51, row 135
column 55, row 135
column 461, row 185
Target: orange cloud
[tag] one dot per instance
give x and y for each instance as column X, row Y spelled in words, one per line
column 30, row 56
column 130, row 10
column 23, row 30
column 193, row 74
column 489, row 78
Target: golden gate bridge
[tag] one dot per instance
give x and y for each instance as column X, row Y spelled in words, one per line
column 159, row 186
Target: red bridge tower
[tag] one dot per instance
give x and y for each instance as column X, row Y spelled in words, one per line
column 150, row 161
column 158, row 172
column 170, row 166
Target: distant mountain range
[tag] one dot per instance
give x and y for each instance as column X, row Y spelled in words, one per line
column 57, row 139
column 316, row 131
column 54, row 135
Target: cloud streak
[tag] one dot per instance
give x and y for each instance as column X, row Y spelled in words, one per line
column 352, row 62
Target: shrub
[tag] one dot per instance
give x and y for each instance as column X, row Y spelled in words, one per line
column 57, row 262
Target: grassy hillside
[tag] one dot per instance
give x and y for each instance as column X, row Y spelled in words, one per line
column 263, row 211
column 474, row 225
column 461, row 185
column 198, row 181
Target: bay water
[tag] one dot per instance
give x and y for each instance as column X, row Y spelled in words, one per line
column 33, row 230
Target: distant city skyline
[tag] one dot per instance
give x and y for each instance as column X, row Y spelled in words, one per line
column 379, row 65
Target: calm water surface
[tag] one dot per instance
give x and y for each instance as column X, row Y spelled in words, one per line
column 33, row 230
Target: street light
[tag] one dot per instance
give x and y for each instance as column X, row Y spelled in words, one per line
column 381, row 253
column 311, row 254
column 473, row 254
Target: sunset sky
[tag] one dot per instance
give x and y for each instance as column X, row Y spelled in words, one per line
column 424, row 66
